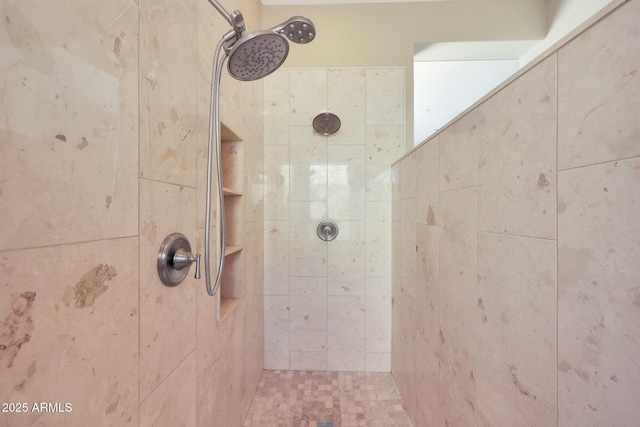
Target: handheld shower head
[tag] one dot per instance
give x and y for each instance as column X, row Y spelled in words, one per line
column 298, row 29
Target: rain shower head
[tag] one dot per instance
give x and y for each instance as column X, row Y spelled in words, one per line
column 256, row 55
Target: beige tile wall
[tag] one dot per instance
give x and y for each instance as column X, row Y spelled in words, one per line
column 103, row 129
column 328, row 305
column 519, row 225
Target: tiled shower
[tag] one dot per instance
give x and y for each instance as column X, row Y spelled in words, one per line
column 102, row 140
column 328, row 304
column 516, row 236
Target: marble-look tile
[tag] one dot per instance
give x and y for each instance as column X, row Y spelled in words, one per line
column 404, row 348
column 210, row 26
column 599, row 294
column 427, row 383
column 202, row 152
column 407, row 246
column 308, row 254
column 427, row 183
column 213, row 390
column 428, row 280
column 276, row 108
column 174, row 401
column 69, row 333
column 459, row 266
column 384, row 144
column 308, row 318
column 597, row 92
column 459, row 153
column 167, row 92
column 167, row 314
column 378, row 315
column 377, row 362
column 408, row 177
column 346, row 99
column 346, row 267
column 346, row 182
column 276, row 332
column 276, row 258
column 308, row 166
column 308, row 360
column 517, row 330
column 66, row 175
column 254, row 184
column 212, row 337
column 378, row 239
column 346, row 345
column 517, row 156
column 308, row 96
column 385, row 96
column 276, row 182
column 458, row 371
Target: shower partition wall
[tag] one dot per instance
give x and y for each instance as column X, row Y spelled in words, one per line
column 328, row 304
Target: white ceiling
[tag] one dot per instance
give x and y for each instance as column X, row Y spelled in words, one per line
column 316, row 2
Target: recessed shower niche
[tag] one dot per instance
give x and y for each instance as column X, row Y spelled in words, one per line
column 232, row 287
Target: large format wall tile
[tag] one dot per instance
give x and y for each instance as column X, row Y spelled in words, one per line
column 597, row 92
column 68, row 124
column 517, row 330
column 276, row 258
column 599, row 294
column 308, row 307
column 347, row 259
column 459, row 266
column 459, row 153
column 167, row 314
column 383, row 145
column 346, row 99
column 385, row 96
column 174, row 401
column 428, row 184
column 168, row 92
column 458, row 372
column 276, row 182
column 346, row 182
column 308, row 166
column 308, row 96
column 69, row 333
column 276, row 332
column 517, row 156
column 346, row 345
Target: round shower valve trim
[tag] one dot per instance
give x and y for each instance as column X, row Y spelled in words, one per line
column 174, row 259
column 327, row 230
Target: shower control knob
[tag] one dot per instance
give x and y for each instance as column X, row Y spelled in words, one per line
column 327, row 230
column 175, row 258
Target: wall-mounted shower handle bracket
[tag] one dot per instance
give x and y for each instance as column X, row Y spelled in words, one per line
column 175, row 258
column 234, row 18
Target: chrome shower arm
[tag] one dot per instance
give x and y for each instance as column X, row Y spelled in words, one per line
column 234, row 18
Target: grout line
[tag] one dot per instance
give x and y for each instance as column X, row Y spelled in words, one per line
column 557, row 417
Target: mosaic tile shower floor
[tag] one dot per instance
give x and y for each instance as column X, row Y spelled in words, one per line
column 326, row 399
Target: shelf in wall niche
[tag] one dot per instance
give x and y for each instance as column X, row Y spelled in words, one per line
column 230, row 192
column 230, row 250
column 232, row 286
column 227, row 134
column 232, row 283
